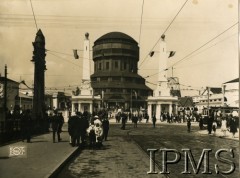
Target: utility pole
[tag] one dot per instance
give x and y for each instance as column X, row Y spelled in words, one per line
column 208, row 100
column 131, row 105
column 5, row 93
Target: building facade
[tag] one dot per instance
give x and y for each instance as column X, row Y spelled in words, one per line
column 115, row 76
column 231, row 92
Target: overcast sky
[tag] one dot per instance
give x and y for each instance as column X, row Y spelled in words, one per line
column 64, row 23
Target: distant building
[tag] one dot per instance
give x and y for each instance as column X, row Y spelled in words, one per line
column 23, row 101
column 173, row 83
column 12, row 92
column 186, row 104
column 205, row 100
column 227, row 96
column 231, row 92
column 58, row 100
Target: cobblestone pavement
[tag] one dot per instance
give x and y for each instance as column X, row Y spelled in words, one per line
column 177, row 137
column 118, row 158
column 125, row 156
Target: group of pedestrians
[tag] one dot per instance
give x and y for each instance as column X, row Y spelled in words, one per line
column 230, row 125
column 227, row 123
column 92, row 130
column 77, row 126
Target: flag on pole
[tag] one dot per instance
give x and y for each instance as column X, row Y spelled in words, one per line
column 171, row 54
column 75, row 54
column 151, row 53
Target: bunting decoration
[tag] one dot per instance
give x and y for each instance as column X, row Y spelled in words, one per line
column 171, row 54
column 75, row 54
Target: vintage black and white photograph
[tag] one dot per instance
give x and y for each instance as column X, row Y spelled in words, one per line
column 119, row 88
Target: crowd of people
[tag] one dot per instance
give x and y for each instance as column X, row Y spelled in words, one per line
column 85, row 129
column 93, row 128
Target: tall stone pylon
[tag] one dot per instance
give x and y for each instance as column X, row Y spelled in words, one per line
column 39, row 78
column 162, row 85
column 86, row 58
column 86, row 88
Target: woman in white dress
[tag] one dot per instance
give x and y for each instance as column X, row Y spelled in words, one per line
column 224, row 126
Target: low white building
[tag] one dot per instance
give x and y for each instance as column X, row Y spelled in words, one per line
column 231, row 92
column 211, row 97
column 227, row 96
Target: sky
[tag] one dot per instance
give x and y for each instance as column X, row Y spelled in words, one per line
column 204, row 35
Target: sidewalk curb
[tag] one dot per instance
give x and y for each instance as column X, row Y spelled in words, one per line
column 63, row 163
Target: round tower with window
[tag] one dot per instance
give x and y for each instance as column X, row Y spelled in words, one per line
column 115, row 76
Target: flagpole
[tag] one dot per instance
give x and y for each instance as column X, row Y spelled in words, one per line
column 5, row 92
column 131, row 104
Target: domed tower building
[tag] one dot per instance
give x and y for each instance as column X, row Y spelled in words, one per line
column 115, row 76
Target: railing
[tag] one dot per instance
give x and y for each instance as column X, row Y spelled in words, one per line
column 10, row 130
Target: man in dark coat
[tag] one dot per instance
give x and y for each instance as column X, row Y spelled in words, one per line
column 84, row 124
column 74, row 128
column 210, row 122
column 154, row 120
column 200, row 122
column 55, row 120
column 124, row 120
column 26, row 126
column 188, row 123
column 233, row 126
column 61, row 119
column 105, row 125
column 135, row 120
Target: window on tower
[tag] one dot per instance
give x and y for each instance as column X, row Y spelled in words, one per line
column 125, row 65
column 107, row 65
column 116, row 64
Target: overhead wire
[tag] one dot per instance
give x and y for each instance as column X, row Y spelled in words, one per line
column 34, row 15
column 49, row 52
column 203, row 45
column 190, row 54
column 139, row 41
column 202, row 52
column 163, row 32
column 64, row 59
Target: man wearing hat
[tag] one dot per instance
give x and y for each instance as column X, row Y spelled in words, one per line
column 55, row 120
column 97, row 121
column 74, row 129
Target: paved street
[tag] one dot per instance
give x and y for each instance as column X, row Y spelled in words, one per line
column 125, row 154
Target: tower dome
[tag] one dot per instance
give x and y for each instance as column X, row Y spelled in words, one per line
column 116, row 57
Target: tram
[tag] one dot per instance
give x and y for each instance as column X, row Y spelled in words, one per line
column 220, row 112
